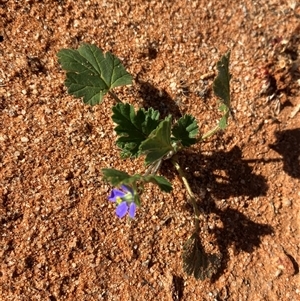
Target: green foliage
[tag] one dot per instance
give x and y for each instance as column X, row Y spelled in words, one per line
column 158, row 144
column 133, row 128
column 117, row 178
column 223, row 121
column 91, row 73
column 142, row 132
column 185, row 130
column 221, row 87
column 162, row 183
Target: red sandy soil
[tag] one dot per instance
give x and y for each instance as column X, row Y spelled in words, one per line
column 60, row 238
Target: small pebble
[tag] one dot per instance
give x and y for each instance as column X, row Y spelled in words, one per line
column 286, row 202
column 285, row 264
column 24, row 139
column 3, row 137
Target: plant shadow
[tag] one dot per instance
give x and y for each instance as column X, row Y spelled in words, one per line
column 157, row 99
column 223, row 175
column 239, row 232
column 288, row 146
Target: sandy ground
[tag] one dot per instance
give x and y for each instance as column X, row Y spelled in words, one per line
column 60, row 238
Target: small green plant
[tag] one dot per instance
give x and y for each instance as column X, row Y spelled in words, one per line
column 90, row 75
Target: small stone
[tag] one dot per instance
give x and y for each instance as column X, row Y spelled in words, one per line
column 24, row 139
column 286, row 202
column 285, row 264
column 17, row 154
column 3, row 137
column 173, row 86
column 278, row 272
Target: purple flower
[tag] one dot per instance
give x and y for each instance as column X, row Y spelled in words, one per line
column 124, row 198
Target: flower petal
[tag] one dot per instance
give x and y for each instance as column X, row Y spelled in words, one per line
column 115, row 193
column 132, row 209
column 122, row 209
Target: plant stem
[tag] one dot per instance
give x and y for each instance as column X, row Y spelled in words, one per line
column 191, row 200
column 217, row 127
column 210, row 133
column 114, row 96
column 153, row 168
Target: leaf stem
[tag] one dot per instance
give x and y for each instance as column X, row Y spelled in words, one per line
column 192, row 199
column 153, row 168
column 114, row 96
column 210, row 133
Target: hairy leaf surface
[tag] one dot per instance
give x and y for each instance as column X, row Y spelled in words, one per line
column 91, row 73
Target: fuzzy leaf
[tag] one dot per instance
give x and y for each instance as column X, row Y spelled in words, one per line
column 162, row 182
column 118, row 177
column 223, row 121
column 221, row 87
column 133, row 127
column 91, row 73
column 185, row 130
column 198, row 263
column 158, row 143
column 221, row 83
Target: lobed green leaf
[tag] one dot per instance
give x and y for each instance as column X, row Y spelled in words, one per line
column 158, row 144
column 133, row 127
column 221, row 87
column 185, row 130
column 91, row 73
column 221, row 83
column 118, row 177
column 162, row 182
